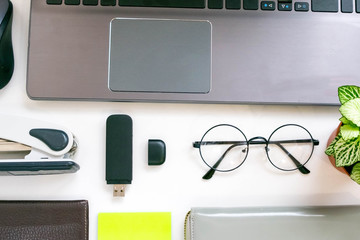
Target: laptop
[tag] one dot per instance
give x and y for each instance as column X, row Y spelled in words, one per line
column 193, row 51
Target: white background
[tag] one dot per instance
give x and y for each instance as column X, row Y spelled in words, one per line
column 175, row 186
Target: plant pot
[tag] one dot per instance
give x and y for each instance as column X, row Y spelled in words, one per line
column 331, row 158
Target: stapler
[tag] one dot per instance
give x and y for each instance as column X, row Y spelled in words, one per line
column 34, row 147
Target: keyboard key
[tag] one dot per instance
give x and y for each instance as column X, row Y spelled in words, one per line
column 357, row 6
column 232, row 4
column 301, row 6
column 108, row 2
column 91, row 2
column 72, row 2
column 164, row 3
column 324, row 6
column 285, row 7
column 54, row 2
column 215, row 4
column 251, row 4
column 268, row 5
column 347, row 6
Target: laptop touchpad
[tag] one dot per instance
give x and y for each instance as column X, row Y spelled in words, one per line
column 150, row 55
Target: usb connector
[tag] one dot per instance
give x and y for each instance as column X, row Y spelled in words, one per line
column 119, row 153
column 119, row 190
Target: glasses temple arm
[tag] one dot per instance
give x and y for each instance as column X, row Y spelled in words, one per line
column 301, row 167
column 314, row 141
column 211, row 172
column 208, row 175
column 198, row 144
column 251, row 142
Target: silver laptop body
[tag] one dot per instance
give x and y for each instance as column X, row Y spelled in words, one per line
column 256, row 56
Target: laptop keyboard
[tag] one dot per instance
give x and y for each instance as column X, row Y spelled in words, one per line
column 136, row 3
column 346, row 6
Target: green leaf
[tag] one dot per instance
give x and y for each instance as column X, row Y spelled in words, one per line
column 347, row 93
column 347, row 153
column 355, row 173
column 351, row 111
column 330, row 151
column 349, row 131
column 344, row 120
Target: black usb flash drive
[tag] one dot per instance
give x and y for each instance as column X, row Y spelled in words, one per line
column 119, row 152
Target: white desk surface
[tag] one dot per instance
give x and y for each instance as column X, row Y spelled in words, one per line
column 176, row 186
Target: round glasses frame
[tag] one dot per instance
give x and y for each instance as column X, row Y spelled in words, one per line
column 223, row 142
column 256, row 140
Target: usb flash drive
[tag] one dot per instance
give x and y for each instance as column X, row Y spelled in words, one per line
column 119, row 152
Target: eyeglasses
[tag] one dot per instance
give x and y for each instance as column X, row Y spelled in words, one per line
column 225, row 147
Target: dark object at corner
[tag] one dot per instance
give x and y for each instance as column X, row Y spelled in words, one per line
column 6, row 49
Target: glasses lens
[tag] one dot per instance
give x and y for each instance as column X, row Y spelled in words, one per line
column 290, row 147
column 223, row 147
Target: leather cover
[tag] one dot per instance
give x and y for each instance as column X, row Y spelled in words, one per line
column 50, row 220
column 280, row 223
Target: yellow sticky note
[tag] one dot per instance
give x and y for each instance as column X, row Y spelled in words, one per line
column 134, row 226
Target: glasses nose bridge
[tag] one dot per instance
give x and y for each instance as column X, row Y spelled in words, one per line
column 258, row 140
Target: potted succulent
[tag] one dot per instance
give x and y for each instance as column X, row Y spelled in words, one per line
column 344, row 149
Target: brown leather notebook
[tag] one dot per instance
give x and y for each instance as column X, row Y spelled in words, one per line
column 40, row 220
